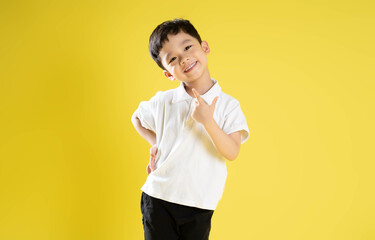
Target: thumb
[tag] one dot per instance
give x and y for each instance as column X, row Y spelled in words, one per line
column 152, row 164
column 213, row 104
column 153, row 151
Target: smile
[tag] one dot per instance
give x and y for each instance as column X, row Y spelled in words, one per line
column 190, row 67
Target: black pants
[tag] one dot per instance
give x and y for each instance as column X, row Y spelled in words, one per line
column 164, row 220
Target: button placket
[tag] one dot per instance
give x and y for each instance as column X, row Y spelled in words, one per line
column 189, row 119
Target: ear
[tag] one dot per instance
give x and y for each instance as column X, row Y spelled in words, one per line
column 169, row 75
column 205, row 47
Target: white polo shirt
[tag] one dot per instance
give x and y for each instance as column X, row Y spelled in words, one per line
column 189, row 169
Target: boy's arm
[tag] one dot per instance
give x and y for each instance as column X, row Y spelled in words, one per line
column 149, row 135
column 227, row 144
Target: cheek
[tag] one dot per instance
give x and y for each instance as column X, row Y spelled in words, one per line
column 203, row 58
column 177, row 68
column 200, row 55
column 173, row 69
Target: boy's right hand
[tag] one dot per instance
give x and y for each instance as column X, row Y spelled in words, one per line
column 151, row 166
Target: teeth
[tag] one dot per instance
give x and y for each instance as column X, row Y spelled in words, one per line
column 190, row 66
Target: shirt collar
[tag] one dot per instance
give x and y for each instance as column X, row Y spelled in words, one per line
column 180, row 93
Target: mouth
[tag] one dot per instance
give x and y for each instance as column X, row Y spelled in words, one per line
column 188, row 69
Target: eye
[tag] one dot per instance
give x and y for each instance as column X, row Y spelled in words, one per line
column 186, row 48
column 172, row 59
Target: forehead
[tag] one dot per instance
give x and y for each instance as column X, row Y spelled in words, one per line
column 175, row 42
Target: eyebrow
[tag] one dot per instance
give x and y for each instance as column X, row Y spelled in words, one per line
column 185, row 41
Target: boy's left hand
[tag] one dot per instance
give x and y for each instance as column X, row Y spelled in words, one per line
column 152, row 166
column 203, row 113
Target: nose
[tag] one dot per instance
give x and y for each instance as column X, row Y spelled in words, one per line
column 184, row 60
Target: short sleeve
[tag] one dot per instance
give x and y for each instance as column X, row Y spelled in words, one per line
column 146, row 112
column 235, row 121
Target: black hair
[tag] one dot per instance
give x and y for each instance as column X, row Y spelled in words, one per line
column 160, row 35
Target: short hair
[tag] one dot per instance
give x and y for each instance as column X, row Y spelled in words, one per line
column 160, row 35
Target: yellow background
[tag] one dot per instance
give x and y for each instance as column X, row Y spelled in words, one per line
column 73, row 72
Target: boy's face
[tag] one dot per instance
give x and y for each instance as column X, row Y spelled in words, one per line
column 181, row 52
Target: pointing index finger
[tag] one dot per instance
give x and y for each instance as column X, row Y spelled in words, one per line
column 196, row 94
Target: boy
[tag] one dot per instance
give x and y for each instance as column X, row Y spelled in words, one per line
column 192, row 130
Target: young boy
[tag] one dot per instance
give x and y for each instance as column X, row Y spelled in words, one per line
column 192, row 130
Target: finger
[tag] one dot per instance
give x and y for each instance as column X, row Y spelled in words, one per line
column 148, row 169
column 153, row 151
column 213, row 104
column 196, row 94
column 152, row 162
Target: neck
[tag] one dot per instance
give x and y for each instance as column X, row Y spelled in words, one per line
column 202, row 85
